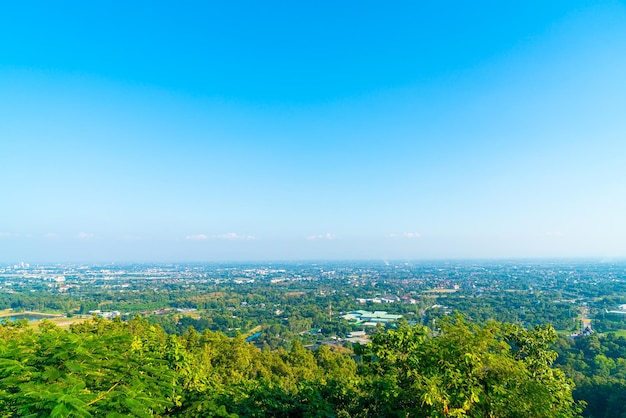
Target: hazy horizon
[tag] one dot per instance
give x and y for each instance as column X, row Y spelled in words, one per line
column 333, row 262
column 352, row 131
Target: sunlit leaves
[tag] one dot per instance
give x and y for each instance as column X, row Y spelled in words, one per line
column 113, row 369
column 466, row 370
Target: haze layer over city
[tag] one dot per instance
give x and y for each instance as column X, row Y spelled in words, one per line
column 145, row 132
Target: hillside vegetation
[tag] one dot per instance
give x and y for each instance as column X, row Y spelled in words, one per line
column 103, row 368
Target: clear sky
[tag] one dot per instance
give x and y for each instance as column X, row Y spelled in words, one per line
column 189, row 131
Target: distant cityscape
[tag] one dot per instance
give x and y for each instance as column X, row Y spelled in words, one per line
column 569, row 294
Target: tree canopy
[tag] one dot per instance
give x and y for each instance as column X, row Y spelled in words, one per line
column 107, row 368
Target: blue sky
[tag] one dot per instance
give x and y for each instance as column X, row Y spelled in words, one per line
column 320, row 130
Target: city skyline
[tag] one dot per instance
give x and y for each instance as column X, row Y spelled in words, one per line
column 256, row 132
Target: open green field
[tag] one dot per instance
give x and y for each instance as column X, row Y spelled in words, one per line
column 27, row 314
column 253, row 331
column 35, row 317
column 62, row 322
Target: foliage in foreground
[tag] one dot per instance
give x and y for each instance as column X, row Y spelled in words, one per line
column 114, row 369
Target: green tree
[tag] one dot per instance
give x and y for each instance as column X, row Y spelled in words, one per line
column 466, row 371
column 102, row 368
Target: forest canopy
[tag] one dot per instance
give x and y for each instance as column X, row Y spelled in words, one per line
column 103, row 368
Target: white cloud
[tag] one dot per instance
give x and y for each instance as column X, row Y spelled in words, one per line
column 554, row 234
column 234, row 236
column 197, row 237
column 8, row 235
column 409, row 235
column 85, row 235
column 50, row 235
column 229, row 236
column 326, row 236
